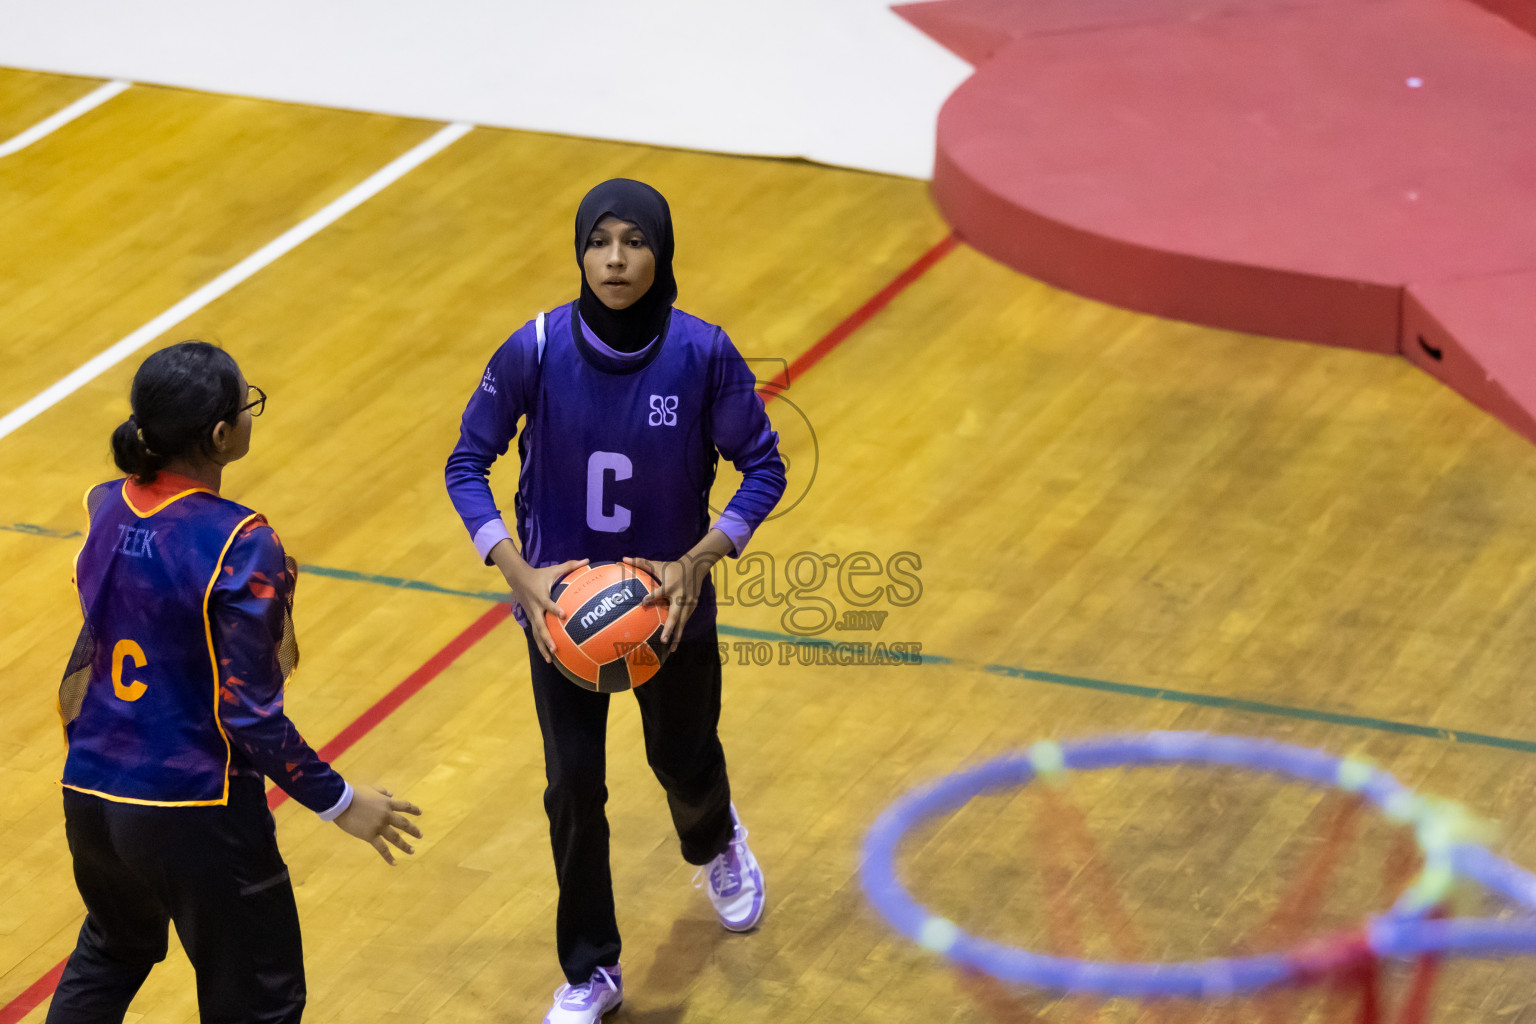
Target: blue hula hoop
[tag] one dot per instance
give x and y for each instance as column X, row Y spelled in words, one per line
column 1402, row 932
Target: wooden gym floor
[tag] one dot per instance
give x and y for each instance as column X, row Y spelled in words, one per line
column 1114, row 522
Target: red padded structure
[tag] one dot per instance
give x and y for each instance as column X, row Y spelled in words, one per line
column 1351, row 172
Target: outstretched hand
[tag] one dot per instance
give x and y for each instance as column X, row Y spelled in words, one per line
column 376, row 817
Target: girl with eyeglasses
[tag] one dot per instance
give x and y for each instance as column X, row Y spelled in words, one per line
column 172, row 706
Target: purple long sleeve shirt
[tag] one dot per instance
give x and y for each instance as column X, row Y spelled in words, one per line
column 618, row 450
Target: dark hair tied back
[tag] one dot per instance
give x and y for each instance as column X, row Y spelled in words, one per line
column 178, row 395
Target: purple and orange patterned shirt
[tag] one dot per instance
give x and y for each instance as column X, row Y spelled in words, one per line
column 177, row 681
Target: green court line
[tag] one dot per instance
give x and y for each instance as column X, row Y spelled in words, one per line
column 1053, row 678
column 39, row 531
column 1262, row 708
column 401, row 583
column 804, row 641
column 1009, row 671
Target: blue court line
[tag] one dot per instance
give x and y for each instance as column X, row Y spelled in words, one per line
column 1008, row 671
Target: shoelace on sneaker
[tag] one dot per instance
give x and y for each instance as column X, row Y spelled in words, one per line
column 724, row 870
column 724, row 876
column 584, row 993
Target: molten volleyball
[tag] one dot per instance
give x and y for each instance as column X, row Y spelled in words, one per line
column 608, row 642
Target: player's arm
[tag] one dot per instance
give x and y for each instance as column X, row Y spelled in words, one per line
column 485, row 432
column 744, row 435
column 249, row 612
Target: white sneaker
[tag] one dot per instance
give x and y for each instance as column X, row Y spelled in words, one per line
column 736, row 883
column 586, row 1004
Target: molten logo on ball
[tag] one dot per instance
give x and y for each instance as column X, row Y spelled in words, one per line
column 606, row 605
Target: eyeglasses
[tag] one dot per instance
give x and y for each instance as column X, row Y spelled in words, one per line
column 257, row 404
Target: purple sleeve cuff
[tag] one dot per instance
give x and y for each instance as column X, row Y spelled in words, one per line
column 739, row 532
column 489, row 535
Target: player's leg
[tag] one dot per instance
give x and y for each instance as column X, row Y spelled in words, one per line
column 574, row 723
column 680, row 710
column 228, row 892
column 125, row 928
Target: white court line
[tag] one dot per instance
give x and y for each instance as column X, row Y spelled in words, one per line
column 90, row 101
column 375, row 183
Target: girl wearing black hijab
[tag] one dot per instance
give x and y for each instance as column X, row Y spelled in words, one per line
column 626, row 405
column 630, row 323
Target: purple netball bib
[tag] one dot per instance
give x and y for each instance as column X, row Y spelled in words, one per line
column 140, row 696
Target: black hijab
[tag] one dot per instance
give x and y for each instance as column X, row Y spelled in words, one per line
column 631, row 329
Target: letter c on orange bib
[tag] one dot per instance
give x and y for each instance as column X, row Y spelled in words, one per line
column 127, row 649
column 608, row 642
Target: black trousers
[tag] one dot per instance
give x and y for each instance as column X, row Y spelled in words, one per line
column 680, row 714
column 215, row 872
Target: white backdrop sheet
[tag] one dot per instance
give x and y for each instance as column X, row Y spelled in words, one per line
column 842, row 82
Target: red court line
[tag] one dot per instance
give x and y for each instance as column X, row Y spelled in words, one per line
column 858, row 318
column 408, row 688
column 33, row 997
column 43, row 987
column 385, row 706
